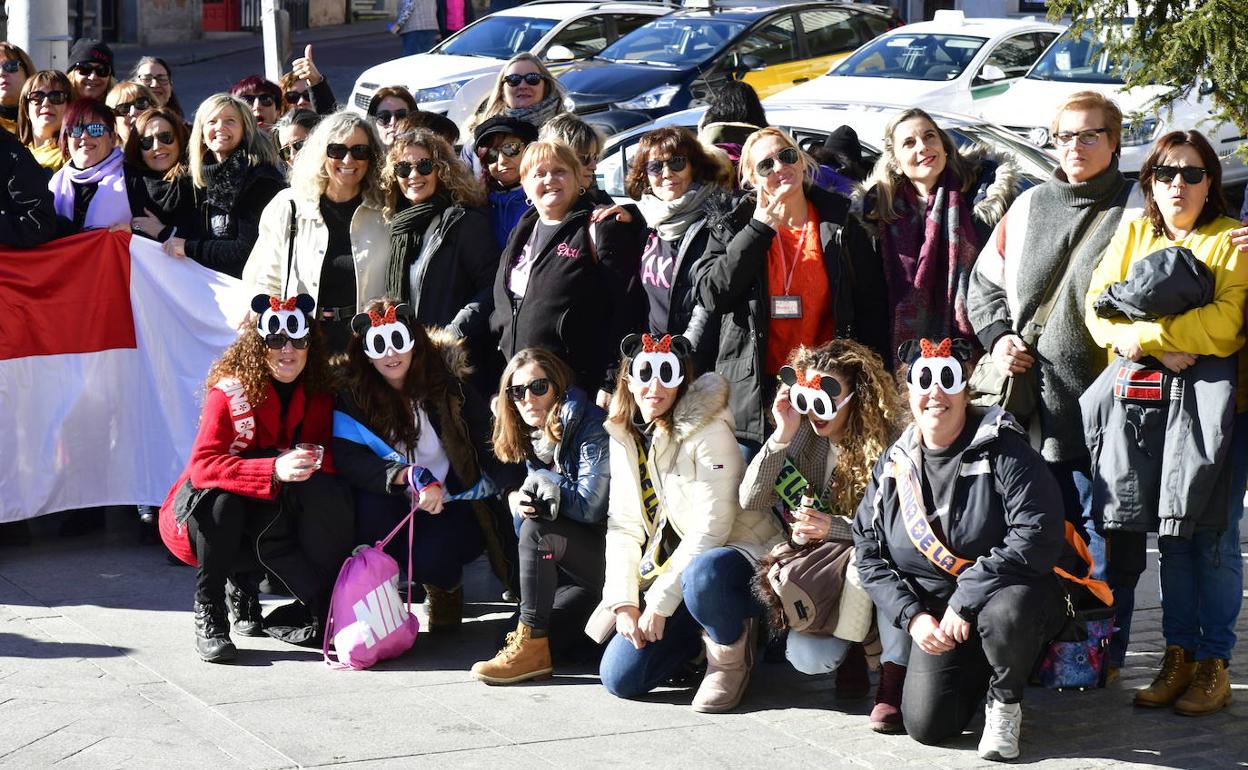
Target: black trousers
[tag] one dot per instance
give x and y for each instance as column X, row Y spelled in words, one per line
column 550, row 547
column 944, row 692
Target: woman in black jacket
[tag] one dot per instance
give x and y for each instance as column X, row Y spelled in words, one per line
column 157, row 149
column 789, row 266
column 557, row 284
column 30, row 219
column 234, row 168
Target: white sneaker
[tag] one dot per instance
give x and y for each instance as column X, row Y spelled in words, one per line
column 1002, row 724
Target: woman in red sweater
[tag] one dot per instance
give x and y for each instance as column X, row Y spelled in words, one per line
column 256, row 493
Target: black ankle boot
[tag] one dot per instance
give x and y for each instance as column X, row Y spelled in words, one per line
column 212, row 633
column 244, row 608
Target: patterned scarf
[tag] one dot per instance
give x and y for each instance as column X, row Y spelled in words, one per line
column 928, row 256
column 539, row 112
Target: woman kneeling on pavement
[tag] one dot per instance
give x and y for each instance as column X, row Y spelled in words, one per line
column 560, row 510
column 257, row 493
column 676, row 531
column 410, row 432
column 833, row 419
column 957, row 536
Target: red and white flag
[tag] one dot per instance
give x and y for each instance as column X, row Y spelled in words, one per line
column 104, row 344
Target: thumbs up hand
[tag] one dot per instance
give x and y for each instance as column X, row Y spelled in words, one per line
column 305, row 69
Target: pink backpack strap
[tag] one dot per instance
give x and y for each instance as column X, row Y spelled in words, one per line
column 329, row 621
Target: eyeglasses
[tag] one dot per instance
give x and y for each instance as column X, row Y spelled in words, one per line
column 294, row 97
column 140, row 104
column 1086, row 137
column 289, row 150
column 154, row 80
column 540, row 387
column 532, row 78
column 384, row 117
column 510, row 149
column 149, row 141
column 266, row 100
column 54, row 97
column 87, row 69
column 676, row 163
column 788, row 156
column 93, row 130
column 339, row 151
column 10, row 65
column 1190, row 174
column 279, row 340
column 423, row 167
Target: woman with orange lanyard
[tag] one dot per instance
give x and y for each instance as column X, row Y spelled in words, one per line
column 788, row 266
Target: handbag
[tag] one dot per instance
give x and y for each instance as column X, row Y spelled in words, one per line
column 1075, row 658
column 810, row 590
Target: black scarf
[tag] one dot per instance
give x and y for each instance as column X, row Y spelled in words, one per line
column 225, row 180
column 407, row 229
column 167, row 194
column 8, row 112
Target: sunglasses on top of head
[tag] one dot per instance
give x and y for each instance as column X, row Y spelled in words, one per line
column 149, row 141
column 765, row 167
column 403, row 169
column 385, row 117
column 10, row 66
column 93, row 130
column 86, row 69
column 52, row 97
column 540, row 386
column 279, row 340
column 1190, row 174
column 339, row 151
column 532, row 78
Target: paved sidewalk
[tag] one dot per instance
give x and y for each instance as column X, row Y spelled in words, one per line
column 98, row 670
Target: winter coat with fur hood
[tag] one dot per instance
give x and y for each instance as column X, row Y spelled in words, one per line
column 695, row 466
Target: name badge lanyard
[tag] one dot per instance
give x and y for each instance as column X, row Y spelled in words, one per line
column 789, row 305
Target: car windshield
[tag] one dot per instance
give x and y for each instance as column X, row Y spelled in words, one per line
column 498, row 37
column 1080, row 59
column 674, row 42
column 912, row 57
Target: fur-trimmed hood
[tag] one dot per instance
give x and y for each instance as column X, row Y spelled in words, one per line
column 703, row 403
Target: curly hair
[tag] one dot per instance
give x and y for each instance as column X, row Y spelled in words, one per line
column 308, row 177
column 511, row 440
column 886, row 178
column 247, row 360
column 672, row 141
column 385, row 409
column 873, row 414
column 453, row 174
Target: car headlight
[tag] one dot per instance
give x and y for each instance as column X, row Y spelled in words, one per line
column 653, row 99
column 1137, row 133
column 442, row 93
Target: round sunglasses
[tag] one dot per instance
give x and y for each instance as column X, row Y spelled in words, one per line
column 339, row 151
column 540, row 387
column 53, row 97
column 93, row 130
column 279, row 340
column 148, row 141
column 404, row 168
column 532, row 78
column 676, row 163
column 765, row 167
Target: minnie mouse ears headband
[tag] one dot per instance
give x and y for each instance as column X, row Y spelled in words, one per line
column 291, row 317
column 386, row 332
column 936, row 365
column 656, row 358
column 813, row 393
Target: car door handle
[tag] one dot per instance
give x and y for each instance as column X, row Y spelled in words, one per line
column 800, row 80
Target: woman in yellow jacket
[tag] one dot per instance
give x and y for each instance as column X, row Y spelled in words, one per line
column 1201, row 577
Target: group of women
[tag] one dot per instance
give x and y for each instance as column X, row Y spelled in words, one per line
column 654, row 368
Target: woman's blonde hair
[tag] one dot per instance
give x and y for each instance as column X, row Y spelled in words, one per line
column 453, row 174
column 873, row 414
column 258, row 147
column 543, row 151
column 747, row 162
column 308, row 177
column 887, row 177
column 494, row 104
column 512, row 440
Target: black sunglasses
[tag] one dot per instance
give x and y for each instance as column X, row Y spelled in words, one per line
column 10, row 65
column 540, row 386
column 384, row 117
column 532, row 78
column 510, row 149
column 404, row 168
column 55, row 97
column 141, row 104
column 279, row 340
column 788, row 156
column 149, row 141
column 676, row 163
column 294, row 97
column 266, row 100
column 289, row 150
column 339, row 151
column 93, row 130
column 1190, row 174
column 99, row 70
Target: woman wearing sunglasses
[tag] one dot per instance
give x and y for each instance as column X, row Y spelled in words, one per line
column 499, row 143
column 264, row 498
column 91, row 73
column 291, row 132
column 1201, row 564
column 127, row 100
column 524, row 90
column 94, row 188
column 335, row 213
column 410, row 432
column 157, row 147
column 934, row 207
column 154, row 72
column 262, row 97
column 299, row 93
column 388, row 107
column 15, row 68
column 234, row 170
column 560, row 511
column 44, row 99
column 790, row 265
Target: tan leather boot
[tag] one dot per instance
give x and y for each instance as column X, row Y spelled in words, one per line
column 522, row 658
column 446, row 608
column 1177, row 670
column 1210, row 690
column 727, row 672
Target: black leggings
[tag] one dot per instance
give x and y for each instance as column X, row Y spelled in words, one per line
column 546, row 547
column 943, row 692
column 217, row 534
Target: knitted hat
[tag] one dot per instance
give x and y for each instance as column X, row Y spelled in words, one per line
column 844, row 141
column 500, row 124
column 90, row 51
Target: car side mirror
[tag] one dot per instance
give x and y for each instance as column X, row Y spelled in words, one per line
column 991, row 73
column 558, row 53
column 741, row 63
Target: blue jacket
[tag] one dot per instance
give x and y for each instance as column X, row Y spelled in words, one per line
column 506, row 208
column 582, row 472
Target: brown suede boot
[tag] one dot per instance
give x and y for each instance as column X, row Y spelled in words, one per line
column 1177, row 670
column 1210, row 690
column 852, row 681
column 727, row 672
column 886, row 716
column 446, row 608
column 523, row 658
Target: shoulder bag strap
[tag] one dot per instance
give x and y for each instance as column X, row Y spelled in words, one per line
column 1032, row 329
column 290, row 249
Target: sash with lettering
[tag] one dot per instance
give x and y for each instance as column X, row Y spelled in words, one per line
column 662, row 537
column 918, row 528
column 243, row 418
column 791, row 485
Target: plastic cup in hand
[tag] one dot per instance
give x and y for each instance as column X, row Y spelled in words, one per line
column 315, row 449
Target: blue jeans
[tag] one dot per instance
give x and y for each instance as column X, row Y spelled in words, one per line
column 418, row 41
column 716, row 588
column 823, row 654
column 1202, row 579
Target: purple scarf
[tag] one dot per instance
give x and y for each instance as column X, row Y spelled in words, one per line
column 928, row 256
column 109, row 206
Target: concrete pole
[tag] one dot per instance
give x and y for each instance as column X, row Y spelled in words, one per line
column 275, row 25
column 41, row 28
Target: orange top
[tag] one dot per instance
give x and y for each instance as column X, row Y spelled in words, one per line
column 809, row 281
